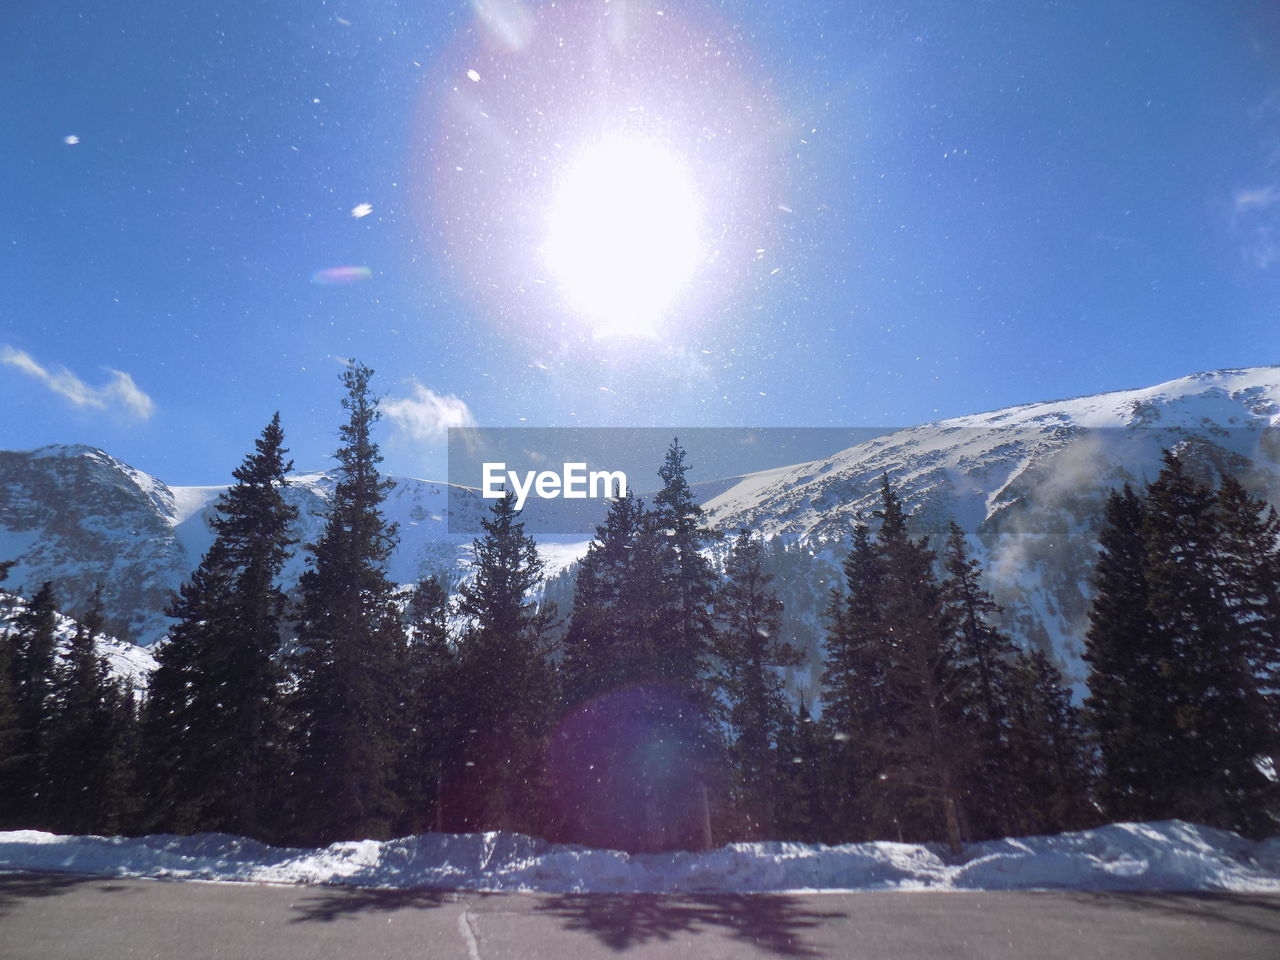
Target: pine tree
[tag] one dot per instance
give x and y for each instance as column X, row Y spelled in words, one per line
column 1128, row 697
column 929, row 747
column 1249, row 570
column 508, row 678
column 34, row 658
column 614, row 606
column 214, row 724
column 32, row 672
column 12, row 756
column 630, row 763
column 252, row 521
column 182, row 707
column 681, row 639
column 1219, row 729
column 984, row 662
column 86, row 768
column 686, row 632
column 805, row 768
column 749, row 652
column 855, row 696
column 1178, row 644
column 350, row 646
column 635, row 765
column 431, row 705
column 1048, row 751
column 11, row 738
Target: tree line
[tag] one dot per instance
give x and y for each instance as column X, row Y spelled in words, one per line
column 651, row 714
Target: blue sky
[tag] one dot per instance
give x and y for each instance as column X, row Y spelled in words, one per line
column 905, row 211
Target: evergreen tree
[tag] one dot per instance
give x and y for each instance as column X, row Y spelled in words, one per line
column 1179, row 644
column 984, row 662
column 214, row 723
column 1219, row 731
column 632, row 765
column 1048, row 751
column 350, row 647
column 12, row 756
column 749, row 652
column 34, row 656
column 686, row 631
column 1128, row 699
column 32, row 673
column 616, row 600
column 431, row 707
column 252, row 521
column 87, row 769
column 508, row 679
column 928, row 747
column 897, row 694
column 182, row 707
column 855, row 695
column 682, row 637
column 805, row 766
column 1249, row 571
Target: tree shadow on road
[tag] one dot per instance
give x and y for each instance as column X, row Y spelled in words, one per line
column 335, row 903
column 1258, row 912
column 775, row 923
column 29, row 886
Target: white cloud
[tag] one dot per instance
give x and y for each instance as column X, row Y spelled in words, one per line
column 1263, row 247
column 120, row 392
column 426, row 415
column 1256, row 223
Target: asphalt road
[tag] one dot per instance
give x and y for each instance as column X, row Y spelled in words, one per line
column 53, row 916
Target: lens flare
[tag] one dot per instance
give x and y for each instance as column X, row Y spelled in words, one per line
column 593, row 169
column 623, row 234
column 630, row 769
column 340, row 276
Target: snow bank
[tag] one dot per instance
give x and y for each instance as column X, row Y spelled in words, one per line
column 1170, row 855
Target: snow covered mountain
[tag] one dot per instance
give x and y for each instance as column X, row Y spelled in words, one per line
column 128, row 663
column 1028, row 483
column 77, row 516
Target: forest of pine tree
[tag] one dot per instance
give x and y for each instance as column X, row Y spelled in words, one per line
column 651, row 713
column 1183, row 642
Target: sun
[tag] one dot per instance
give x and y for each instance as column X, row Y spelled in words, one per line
column 623, row 235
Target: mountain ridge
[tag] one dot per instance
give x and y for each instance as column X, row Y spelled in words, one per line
column 1026, row 482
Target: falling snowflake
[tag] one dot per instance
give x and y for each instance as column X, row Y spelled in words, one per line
column 71, row 140
column 361, row 210
column 473, row 76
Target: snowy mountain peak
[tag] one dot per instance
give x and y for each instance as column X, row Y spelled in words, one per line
column 1027, row 482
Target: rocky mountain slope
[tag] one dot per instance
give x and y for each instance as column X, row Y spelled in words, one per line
column 128, row 663
column 1027, row 483
column 77, row 516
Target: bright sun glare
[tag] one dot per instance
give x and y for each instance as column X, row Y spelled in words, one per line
column 623, row 235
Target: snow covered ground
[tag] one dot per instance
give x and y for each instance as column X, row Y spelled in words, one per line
column 1168, row 855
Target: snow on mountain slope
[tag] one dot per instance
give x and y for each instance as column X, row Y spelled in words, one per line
column 1027, row 483
column 78, row 517
column 128, row 663
column 1168, row 855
